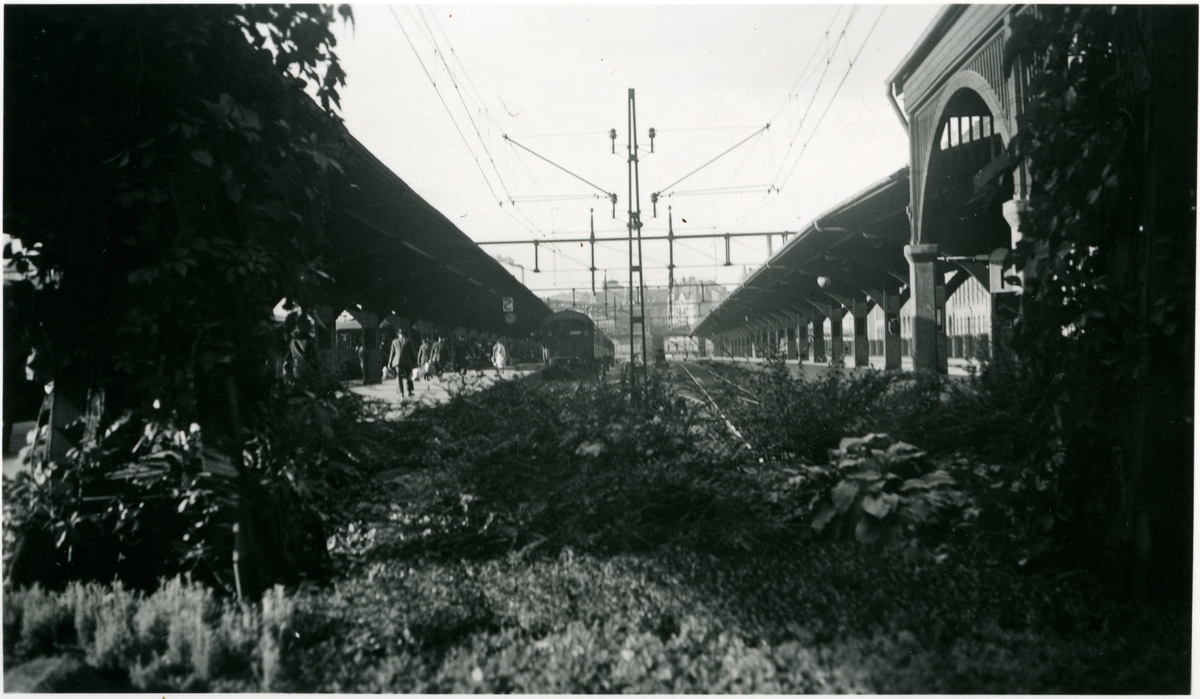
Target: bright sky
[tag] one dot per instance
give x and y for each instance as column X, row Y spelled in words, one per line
column 554, row 78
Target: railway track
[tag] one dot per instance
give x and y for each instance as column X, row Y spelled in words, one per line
column 711, row 401
column 716, row 375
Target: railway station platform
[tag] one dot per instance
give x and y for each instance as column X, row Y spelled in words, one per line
column 429, row 392
column 957, row 368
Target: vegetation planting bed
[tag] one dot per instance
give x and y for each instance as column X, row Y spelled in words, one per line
column 551, row 536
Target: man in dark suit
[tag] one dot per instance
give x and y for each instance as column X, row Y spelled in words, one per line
column 403, row 358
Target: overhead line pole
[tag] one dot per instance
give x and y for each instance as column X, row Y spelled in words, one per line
column 637, row 207
column 633, row 225
column 592, row 219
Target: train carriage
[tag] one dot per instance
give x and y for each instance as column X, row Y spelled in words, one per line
column 572, row 339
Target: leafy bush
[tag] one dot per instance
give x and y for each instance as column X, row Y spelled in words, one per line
column 196, row 214
column 883, row 491
column 142, row 499
column 552, row 537
column 801, row 416
column 135, row 502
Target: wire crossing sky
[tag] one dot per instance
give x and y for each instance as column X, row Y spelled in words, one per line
column 499, row 115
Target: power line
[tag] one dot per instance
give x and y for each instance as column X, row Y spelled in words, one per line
column 732, row 189
column 527, row 224
column 705, row 128
column 816, row 91
column 811, row 58
column 553, row 135
column 443, row 101
column 479, row 101
column 681, row 179
column 850, row 68
column 532, row 179
column 552, row 197
column 454, row 82
column 560, row 167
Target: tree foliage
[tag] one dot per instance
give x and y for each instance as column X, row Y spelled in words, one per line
column 168, row 179
column 1108, row 137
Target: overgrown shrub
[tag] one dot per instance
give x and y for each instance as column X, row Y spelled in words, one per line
column 179, row 638
column 805, row 417
column 135, row 501
column 554, row 537
column 876, row 489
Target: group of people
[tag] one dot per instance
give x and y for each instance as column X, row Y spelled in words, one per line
column 411, row 362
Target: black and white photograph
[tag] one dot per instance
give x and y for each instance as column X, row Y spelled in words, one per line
column 596, row 348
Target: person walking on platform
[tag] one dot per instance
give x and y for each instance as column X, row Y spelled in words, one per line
column 499, row 357
column 436, row 356
column 423, row 357
column 403, row 358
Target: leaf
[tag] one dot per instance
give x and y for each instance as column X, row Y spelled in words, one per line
column 938, row 477
column 902, row 451
column 843, row 495
column 823, row 517
column 880, row 506
column 928, row 481
column 590, row 449
column 871, row 441
column 203, row 157
column 347, row 14
column 867, row 531
column 917, row 511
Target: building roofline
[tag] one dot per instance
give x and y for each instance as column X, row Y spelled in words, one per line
column 937, row 29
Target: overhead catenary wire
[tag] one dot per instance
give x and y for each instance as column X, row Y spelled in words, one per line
column 850, row 68
column 555, row 135
column 560, row 167
column 809, row 62
column 552, row 197
column 470, row 98
column 732, row 189
column 453, row 81
column 710, row 162
column 532, row 178
column 816, row 92
column 803, row 79
column 762, row 203
column 705, row 128
column 447, row 107
column 527, row 223
column 477, row 99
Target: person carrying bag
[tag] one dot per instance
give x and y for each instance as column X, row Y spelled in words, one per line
column 402, row 359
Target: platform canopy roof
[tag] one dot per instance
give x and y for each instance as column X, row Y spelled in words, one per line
column 392, row 252
column 853, row 251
